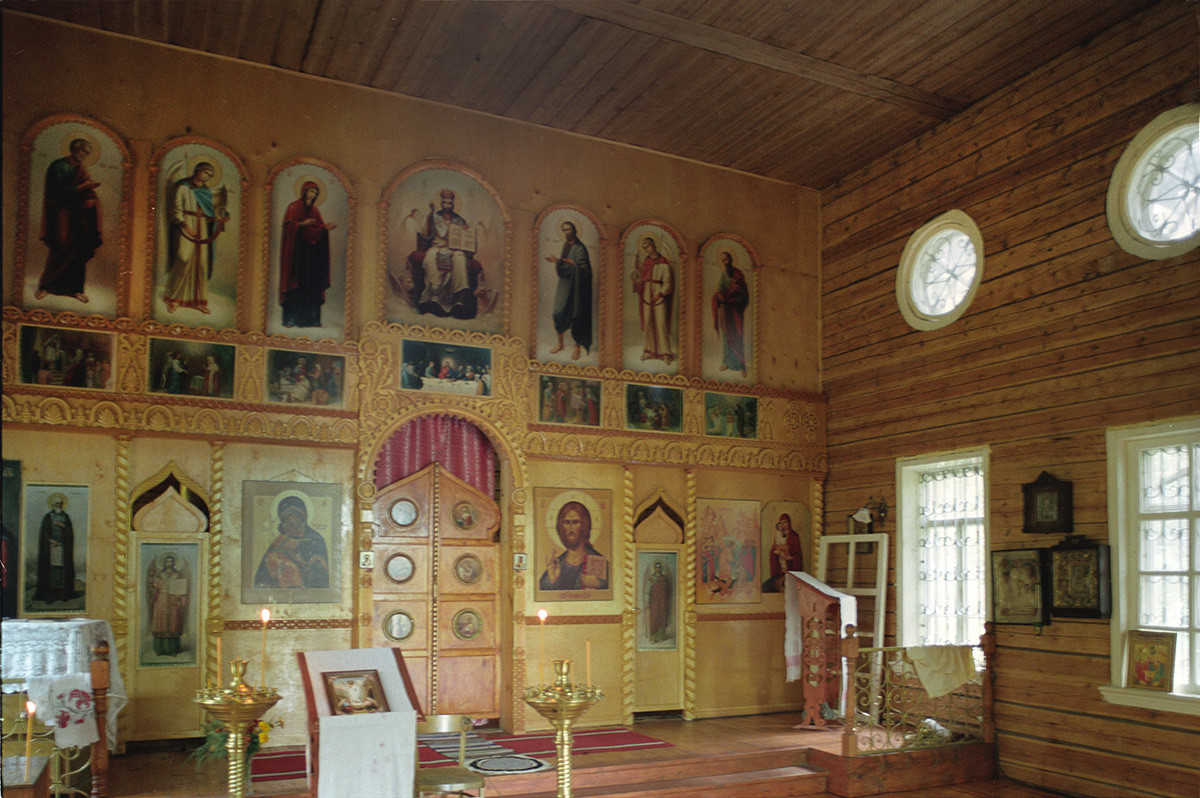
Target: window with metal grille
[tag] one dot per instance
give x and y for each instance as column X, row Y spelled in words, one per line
column 1154, row 509
column 943, row 549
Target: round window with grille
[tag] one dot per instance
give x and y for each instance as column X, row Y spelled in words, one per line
column 940, row 270
column 1153, row 204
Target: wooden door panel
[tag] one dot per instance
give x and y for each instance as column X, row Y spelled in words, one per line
column 404, row 508
column 445, row 532
column 418, row 671
column 466, row 625
column 387, row 628
column 468, row 685
column 467, row 570
column 391, row 567
column 464, row 512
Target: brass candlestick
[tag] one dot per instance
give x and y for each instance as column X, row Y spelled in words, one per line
column 237, row 706
column 562, row 703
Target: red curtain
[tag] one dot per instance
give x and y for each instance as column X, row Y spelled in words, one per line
column 458, row 445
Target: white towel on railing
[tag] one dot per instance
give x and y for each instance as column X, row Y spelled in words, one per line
column 65, row 704
column 941, row 669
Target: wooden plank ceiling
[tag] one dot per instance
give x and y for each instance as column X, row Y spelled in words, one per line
column 804, row 91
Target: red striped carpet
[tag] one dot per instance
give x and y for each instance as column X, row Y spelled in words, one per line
column 584, row 742
column 273, row 764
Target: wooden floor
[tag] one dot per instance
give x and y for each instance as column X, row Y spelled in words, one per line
column 169, row 772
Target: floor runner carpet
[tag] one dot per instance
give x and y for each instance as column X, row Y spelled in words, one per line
column 274, row 764
column 583, row 742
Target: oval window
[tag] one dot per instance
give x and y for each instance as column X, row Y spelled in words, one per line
column 1153, row 203
column 940, row 270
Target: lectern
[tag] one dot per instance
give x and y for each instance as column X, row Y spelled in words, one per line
column 815, row 615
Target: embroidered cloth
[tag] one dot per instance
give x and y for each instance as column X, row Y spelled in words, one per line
column 52, row 648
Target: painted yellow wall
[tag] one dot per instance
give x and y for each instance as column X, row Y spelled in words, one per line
column 149, row 94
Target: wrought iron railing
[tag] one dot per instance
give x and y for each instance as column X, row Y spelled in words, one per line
column 70, row 768
column 888, row 709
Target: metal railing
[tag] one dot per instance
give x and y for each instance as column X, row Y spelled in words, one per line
column 888, row 709
column 70, row 768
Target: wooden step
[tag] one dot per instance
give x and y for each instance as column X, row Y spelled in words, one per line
column 768, row 774
column 787, row 782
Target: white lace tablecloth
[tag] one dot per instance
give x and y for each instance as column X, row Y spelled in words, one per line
column 38, row 647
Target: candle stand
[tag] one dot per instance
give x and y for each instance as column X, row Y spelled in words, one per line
column 237, row 706
column 562, row 703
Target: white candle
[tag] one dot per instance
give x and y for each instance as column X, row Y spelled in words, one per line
column 266, row 618
column 218, row 662
column 588, row 659
column 542, row 654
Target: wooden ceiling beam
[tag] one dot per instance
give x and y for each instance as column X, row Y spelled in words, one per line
column 684, row 31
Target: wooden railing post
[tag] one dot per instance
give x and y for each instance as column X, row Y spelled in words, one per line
column 100, row 681
column 988, row 643
column 850, row 657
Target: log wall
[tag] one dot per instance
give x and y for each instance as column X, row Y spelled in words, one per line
column 1067, row 336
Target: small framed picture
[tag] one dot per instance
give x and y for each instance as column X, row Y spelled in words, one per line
column 566, row 400
column 1047, row 506
column 1151, row 660
column 655, row 408
column 354, row 692
column 730, row 416
column 191, row 368
column 446, row 368
column 1019, row 587
column 398, row 626
column 63, row 358
column 305, row 378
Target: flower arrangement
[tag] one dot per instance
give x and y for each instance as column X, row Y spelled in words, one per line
column 216, row 737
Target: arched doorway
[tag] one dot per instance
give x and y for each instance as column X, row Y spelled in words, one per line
column 437, row 576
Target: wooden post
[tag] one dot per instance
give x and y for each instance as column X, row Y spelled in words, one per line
column 100, row 681
column 850, row 656
column 988, row 643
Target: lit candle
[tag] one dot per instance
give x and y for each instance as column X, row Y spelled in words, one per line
column 30, row 711
column 588, row 660
column 542, row 655
column 266, row 618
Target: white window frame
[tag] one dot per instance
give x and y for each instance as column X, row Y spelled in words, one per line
column 908, row 471
column 1124, row 444
column 913, row 258
column 1121, row 191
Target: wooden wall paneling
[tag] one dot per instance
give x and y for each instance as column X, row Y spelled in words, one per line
column 1119, row 319
column 1148, row 741
column 1081, row 74
column 1104, row 773
column 268, row 22
column 648, row 64
column 499, row 88
column 565, row 97
column 1068, row 336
